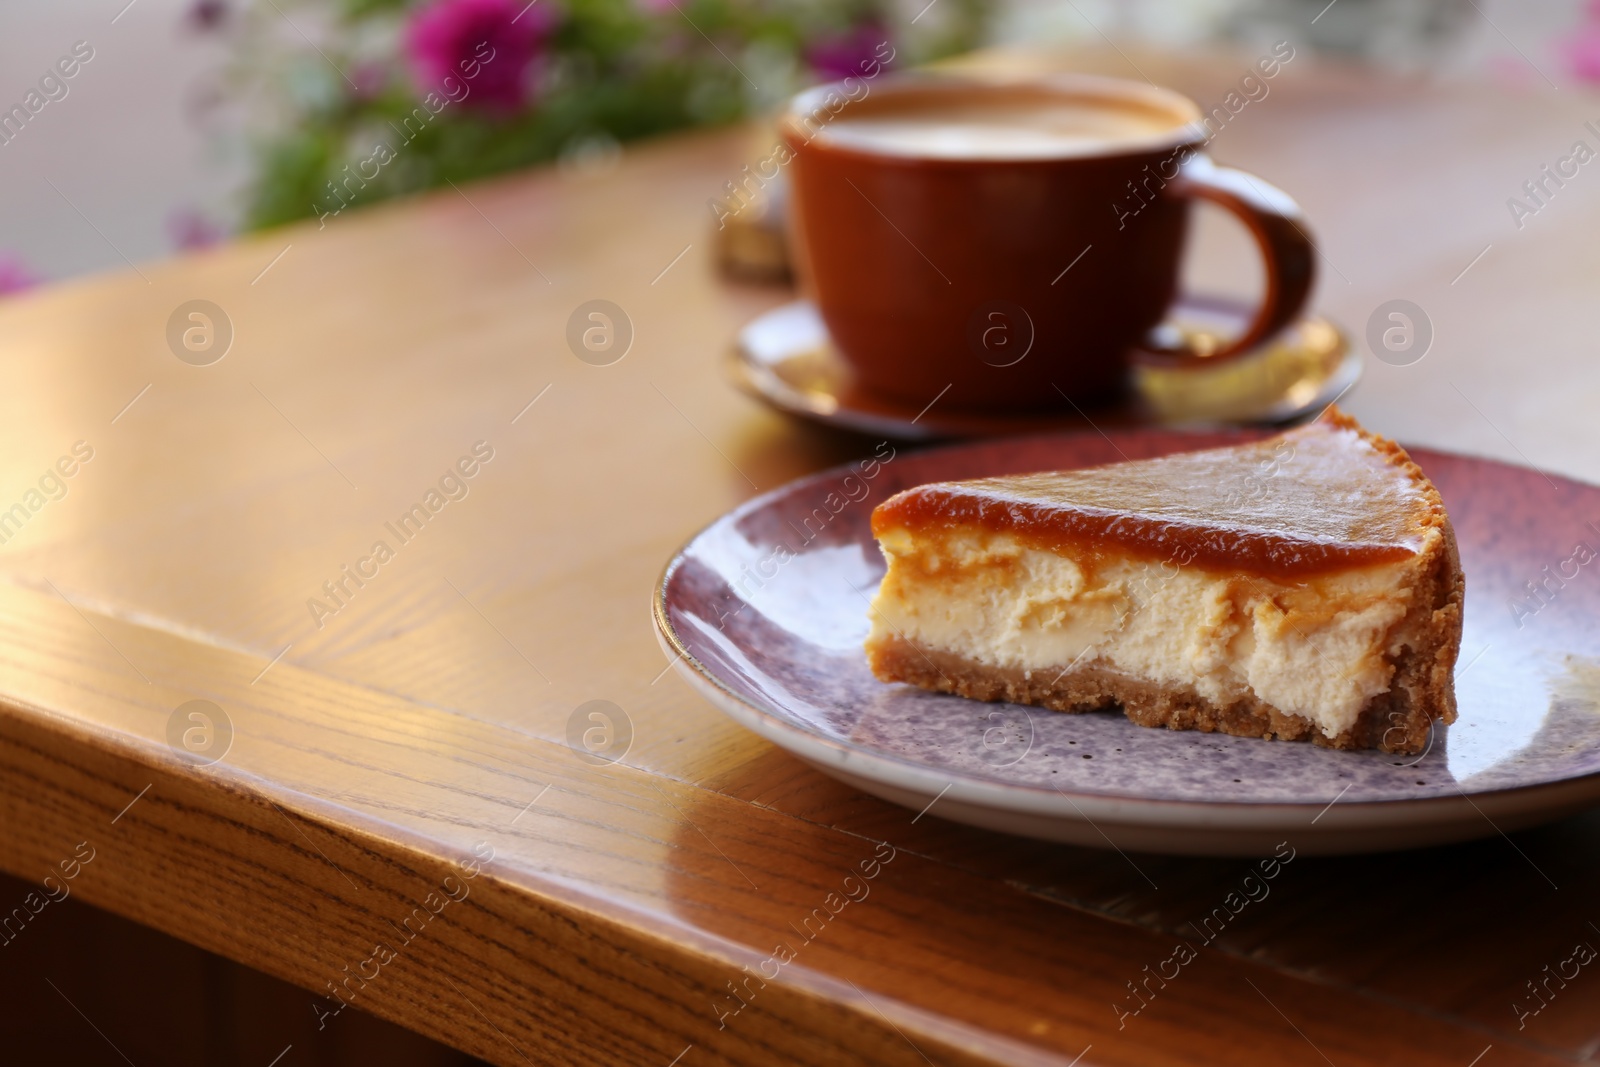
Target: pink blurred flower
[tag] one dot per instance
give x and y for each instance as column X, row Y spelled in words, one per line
column 208, row 14
column 1583, row 53
column 499, row 39
column 190, row 230
column 15, row 275
column 842, row 55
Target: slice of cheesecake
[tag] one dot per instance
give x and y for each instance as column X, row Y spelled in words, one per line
column 1304, row 587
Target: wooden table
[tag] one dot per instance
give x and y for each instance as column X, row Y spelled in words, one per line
column 411, row 753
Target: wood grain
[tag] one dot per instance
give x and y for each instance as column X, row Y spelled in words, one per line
column 429, row 714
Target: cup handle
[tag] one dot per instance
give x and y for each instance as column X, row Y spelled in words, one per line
column 1274, row 219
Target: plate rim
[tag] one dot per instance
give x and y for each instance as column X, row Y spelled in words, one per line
column 1034, row 800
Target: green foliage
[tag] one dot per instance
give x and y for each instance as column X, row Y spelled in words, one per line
column 611, row 71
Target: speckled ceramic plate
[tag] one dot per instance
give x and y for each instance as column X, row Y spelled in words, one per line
column 785, row 358
column 765, row 610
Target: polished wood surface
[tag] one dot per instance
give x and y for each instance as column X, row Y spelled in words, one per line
column 400, row 776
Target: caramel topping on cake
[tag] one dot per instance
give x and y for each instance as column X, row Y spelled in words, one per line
column 1325, row 497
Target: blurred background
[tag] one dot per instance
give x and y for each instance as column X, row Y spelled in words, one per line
column 184, row 121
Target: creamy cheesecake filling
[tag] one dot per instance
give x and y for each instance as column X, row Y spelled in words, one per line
column 1319, row 647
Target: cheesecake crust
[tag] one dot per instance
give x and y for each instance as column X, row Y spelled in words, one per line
column 1421, row 691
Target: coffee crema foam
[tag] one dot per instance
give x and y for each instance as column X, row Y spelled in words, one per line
column 1042, row 129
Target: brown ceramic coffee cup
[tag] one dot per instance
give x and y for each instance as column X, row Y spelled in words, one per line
column 1017, row 241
